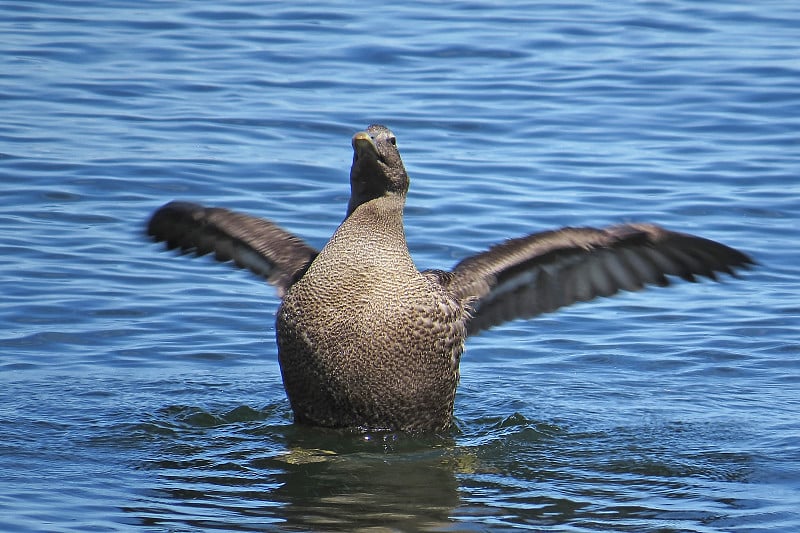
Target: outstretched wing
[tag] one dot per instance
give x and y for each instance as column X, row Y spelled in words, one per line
column 539, row 273
column 252, row 243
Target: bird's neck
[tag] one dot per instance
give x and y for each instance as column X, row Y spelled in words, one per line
column 369, row 244
column 374, row 227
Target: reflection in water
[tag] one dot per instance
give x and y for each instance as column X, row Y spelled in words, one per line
column 252, row 470
column 376, row 482
column 247, row 478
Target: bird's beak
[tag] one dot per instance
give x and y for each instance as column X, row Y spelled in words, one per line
column 363, row 144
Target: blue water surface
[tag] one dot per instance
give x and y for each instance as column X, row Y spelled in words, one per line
column 140, row 391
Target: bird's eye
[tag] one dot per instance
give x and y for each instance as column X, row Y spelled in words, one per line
column 393, row 140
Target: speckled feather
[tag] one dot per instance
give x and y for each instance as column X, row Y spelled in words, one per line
column 365, row 340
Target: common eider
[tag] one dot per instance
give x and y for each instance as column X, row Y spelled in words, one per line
column 365, row 340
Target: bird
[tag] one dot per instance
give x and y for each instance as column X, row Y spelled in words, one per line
column 368, row 342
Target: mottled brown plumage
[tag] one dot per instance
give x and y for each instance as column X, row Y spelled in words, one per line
column 365, row 340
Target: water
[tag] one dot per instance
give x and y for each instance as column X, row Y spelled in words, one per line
column 140, row 391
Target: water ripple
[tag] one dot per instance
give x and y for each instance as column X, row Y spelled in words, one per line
column 141, row 389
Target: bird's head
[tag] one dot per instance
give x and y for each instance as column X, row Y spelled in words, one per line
column 377, row 167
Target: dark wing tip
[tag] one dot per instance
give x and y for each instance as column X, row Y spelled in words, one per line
column 171, row 222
